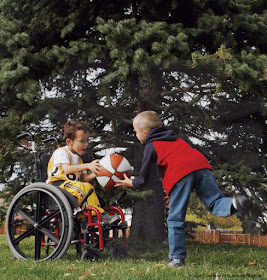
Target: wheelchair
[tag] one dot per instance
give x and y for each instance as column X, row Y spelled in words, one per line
column 44, row 220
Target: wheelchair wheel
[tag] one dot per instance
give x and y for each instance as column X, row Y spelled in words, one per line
column 92, row 254
column 39, row 223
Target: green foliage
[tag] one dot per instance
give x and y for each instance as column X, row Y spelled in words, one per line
column 134, row 46
column 241, row 180
column 200, row 64
column 198, row 214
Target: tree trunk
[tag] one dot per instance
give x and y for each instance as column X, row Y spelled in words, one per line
column 148, row 214
column 148, row 217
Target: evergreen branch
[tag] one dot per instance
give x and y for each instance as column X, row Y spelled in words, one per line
column 179, row 90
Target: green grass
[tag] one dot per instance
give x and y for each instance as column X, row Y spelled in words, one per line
column 218, row 261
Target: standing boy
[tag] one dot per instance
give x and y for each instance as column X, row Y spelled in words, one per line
column 182, row 169
column 67, row 170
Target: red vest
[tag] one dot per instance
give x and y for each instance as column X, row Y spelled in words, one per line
column 177, row 159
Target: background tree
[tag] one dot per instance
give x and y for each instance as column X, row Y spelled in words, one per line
column 202, row 66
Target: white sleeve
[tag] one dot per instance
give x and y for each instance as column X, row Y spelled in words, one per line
column 60, row 156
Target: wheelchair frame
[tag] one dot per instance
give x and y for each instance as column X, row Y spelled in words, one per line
column 49, row 216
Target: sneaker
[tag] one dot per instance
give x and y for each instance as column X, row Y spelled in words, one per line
column 107, row 219
column 110, row 219
column 244, row 206
column 176, row 262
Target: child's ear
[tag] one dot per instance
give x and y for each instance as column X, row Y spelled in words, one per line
column 145, row 132
column 68, row 141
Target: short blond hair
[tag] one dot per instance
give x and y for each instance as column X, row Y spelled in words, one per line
column 147, row 120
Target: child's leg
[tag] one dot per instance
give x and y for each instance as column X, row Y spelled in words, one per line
column 79, row 190
column 209, row 193
column 179, row 198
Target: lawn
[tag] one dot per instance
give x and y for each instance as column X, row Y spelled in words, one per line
column 218, row 261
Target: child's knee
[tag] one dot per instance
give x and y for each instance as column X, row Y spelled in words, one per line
column 88, row 186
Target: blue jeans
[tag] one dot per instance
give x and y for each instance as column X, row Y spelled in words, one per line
column 207, row 190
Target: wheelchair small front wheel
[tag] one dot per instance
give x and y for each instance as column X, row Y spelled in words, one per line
column 39, row 223
column 92, row 254
column 118, row 251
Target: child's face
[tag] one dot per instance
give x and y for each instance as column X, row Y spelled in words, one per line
column 80, row 142
column 140, row 134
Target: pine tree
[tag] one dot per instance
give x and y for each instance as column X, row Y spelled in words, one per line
column 201, row 65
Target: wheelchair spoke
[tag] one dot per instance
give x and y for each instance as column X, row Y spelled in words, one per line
column 38, row 226
column 38, row 216
column 49, row 234
column 26, row 216
column 31, row 230
column 24, row 235
column 49, row 218
column 39, row 223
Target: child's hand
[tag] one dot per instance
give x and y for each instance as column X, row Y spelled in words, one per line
column 127, row 182
column 94, row 166
column 167, row 202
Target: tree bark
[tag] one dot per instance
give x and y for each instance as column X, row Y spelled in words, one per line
column 148, row 217
column 148, row 214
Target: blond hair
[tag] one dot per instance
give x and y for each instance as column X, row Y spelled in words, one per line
column 147, row 120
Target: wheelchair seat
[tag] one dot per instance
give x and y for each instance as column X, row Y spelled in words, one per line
column 42, row 165
column 72, row 200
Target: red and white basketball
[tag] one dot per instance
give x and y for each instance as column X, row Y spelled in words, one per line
column 113, row 167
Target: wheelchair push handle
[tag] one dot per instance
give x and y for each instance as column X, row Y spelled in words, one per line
column 32, row 140
column 24, row 135
column 37, row 162
column 52, row 139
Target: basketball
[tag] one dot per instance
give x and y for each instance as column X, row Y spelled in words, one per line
column 113, row 167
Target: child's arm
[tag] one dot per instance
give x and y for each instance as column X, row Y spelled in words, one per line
column 127, row 182
column 88, row 177
column 94, row 166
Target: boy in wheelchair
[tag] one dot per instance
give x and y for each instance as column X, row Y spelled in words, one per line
column 41, row 221
column 67, row 170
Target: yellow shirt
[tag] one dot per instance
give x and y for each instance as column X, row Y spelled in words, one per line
column 72, row 182
column 54, row 170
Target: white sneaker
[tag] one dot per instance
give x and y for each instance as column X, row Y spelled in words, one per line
column 176, row 262
column 110, row 219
